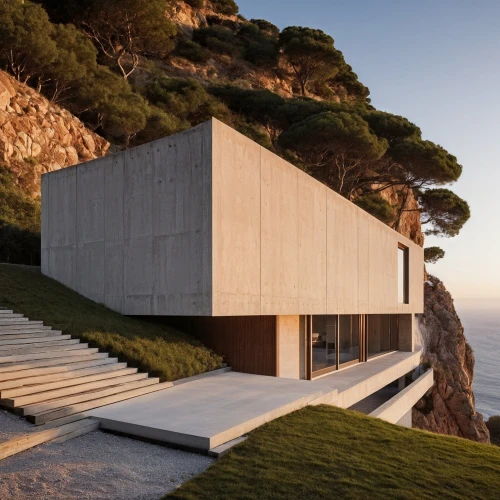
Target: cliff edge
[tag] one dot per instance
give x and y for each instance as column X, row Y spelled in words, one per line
column 449, row 407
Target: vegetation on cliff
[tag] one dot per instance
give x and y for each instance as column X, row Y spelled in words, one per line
column 19, row 223
column 133, row 72
column 324, row 452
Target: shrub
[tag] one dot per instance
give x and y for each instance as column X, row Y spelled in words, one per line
column 261, row 48
column 221, row 21
column 196, row 4
column 493, row 425
column 159, row 124
column 218, row 39
column 19, row 223
column 192, row 51
column 186, row 99
column 433, row 254
column 375, row 205
column 266, row 26
column 226, row 7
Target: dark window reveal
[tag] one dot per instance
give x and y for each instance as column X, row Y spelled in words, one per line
column 403, row 275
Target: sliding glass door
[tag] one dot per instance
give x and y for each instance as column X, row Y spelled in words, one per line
column 324, row 342
column 349, row 338
column 337, row 341
column 382, row 334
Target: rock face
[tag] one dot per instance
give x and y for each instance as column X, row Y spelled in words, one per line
column 409, row 224
column 449, row 408
column 37, row 136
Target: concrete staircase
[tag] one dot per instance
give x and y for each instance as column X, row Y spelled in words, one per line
column 52, row 380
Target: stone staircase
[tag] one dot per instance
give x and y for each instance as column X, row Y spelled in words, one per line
column 52, row 380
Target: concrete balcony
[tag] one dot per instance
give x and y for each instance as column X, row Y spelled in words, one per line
column 396, row 410
column 360, row 381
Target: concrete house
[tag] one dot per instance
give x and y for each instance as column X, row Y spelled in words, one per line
column 263, row 263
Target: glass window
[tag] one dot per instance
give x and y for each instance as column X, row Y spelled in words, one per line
column 379, row 334
column 403, row 275
column 324, row 342
column 348, row 338
column 394, row 332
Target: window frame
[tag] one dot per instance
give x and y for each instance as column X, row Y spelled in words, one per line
column 406, row 274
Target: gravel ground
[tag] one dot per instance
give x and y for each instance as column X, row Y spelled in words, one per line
column 94, row 466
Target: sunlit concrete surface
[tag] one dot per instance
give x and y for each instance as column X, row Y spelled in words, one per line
column 208, row 412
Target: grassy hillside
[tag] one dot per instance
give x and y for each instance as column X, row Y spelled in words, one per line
column 324, row 452
column 157, row 349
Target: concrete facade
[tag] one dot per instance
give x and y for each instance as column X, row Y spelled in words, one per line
column 209, row 223
column 133, row 230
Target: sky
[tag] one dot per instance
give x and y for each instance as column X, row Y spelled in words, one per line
column 435, row 62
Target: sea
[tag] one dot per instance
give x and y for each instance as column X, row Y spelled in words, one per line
column 481, row 320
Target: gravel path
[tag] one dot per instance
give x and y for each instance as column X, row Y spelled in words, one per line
column 94, row 466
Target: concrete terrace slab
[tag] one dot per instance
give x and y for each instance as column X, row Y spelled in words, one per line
column 360, row 381
column 208, row 412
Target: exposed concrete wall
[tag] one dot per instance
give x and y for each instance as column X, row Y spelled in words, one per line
column 406, row 420
column 207, row 222
column 133, row 230
column 289, row 346
column 296, row 245
column 236, row 224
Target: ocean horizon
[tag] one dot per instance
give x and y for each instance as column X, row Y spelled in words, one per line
column 481, row 321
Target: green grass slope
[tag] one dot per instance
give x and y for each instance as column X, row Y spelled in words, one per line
column 324, row 452
column 157, row 349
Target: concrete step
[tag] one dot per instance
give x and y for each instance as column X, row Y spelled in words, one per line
column 33, row 340
column 32, row 325
column 26, row 365
column 48, row 369
column 55, row 404
column 6, row 311
column 13, row 321
column 16, row 334
column 45, row 383
column 62, row 421
column 76, row 351
column 96, row 403
column 94, row 425
column 29, row 440
column 4, row 315
column 82, row 392
column 63, row 345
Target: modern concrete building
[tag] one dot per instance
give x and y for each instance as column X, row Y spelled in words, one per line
column 259, row 260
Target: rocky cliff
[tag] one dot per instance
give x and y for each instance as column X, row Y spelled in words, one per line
column 409, row 223
column 449, row 408
column 37, row 136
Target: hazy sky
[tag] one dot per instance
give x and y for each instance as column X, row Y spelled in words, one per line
column 437, row 63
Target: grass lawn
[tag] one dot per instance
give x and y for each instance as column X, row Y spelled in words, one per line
column 157, row 349
column 324, row 452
